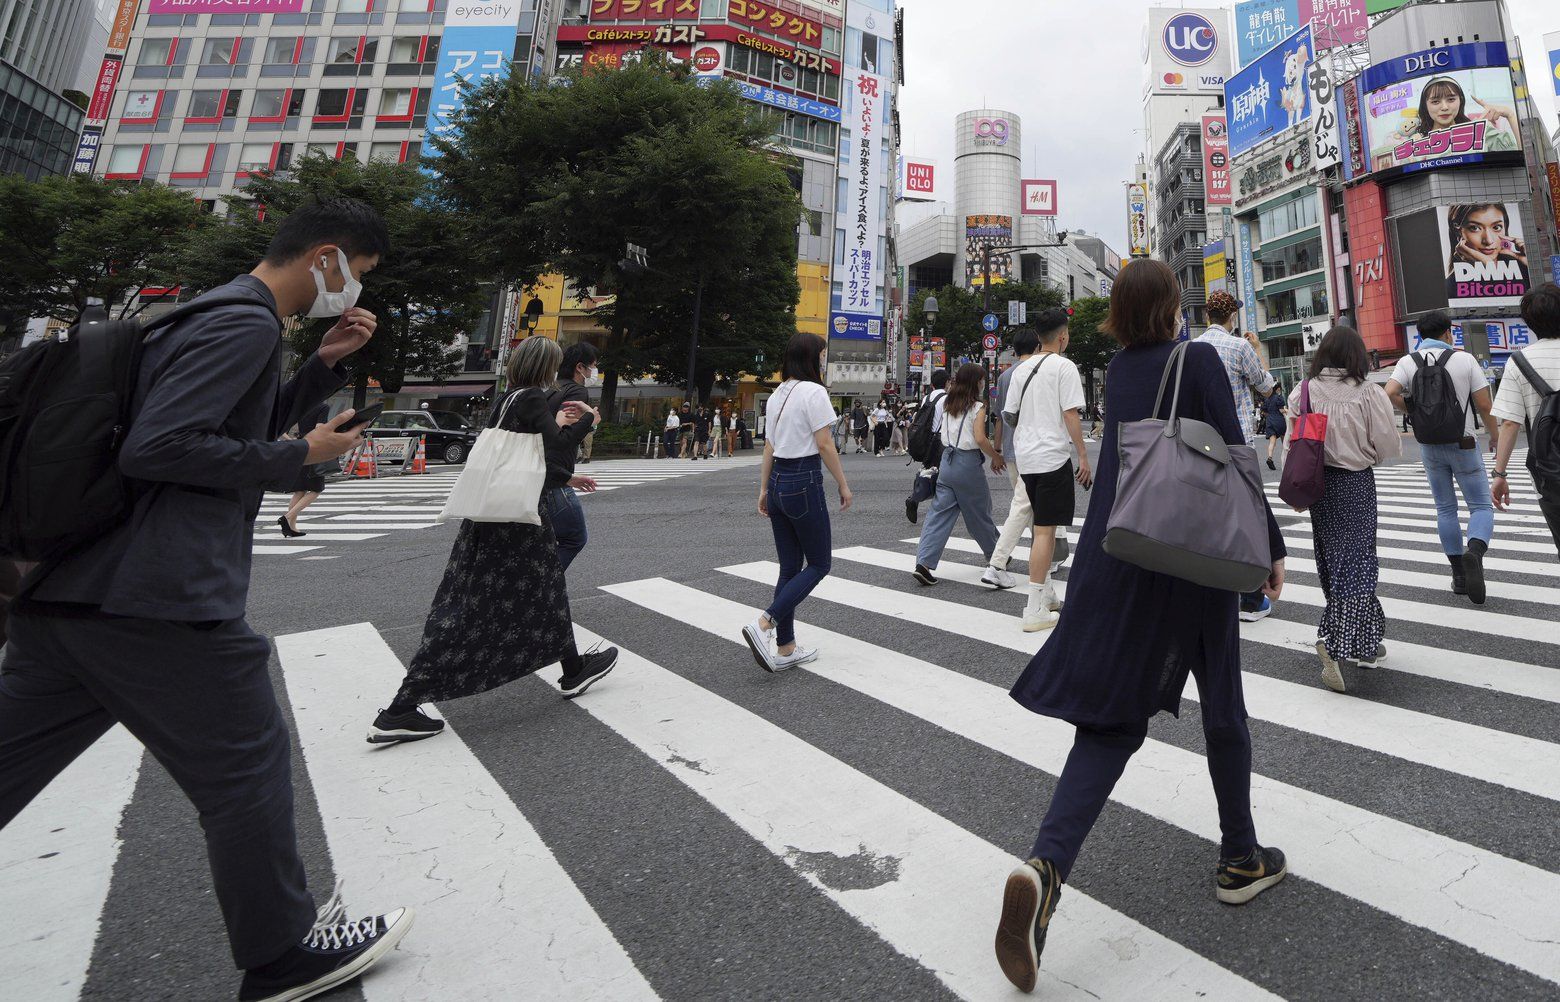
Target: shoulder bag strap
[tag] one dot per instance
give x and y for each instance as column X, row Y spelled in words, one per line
column 1531, row 375
column 1176, row 363
column 1025, row 391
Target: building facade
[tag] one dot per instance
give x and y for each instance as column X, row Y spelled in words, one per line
column 1180, row 214
column 38, row 127
column 46, row 40
column 43, row 45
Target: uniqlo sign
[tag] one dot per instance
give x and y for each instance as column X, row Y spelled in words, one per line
column 921, row 179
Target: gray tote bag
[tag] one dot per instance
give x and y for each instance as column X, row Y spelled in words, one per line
column 1187, row 503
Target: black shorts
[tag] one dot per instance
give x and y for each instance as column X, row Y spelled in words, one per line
column 1051, row 495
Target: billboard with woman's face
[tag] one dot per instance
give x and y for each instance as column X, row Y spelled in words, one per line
column 1484, row 254
column 1440, row 107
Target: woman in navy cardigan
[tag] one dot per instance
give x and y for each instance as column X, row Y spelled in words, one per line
column 1128, row 639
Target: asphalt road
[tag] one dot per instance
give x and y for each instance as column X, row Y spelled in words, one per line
column 1421, row 812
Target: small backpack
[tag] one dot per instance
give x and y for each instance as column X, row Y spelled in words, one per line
column 1543, row 434
column 64, row 413
column 923, row 440
column 1436, row 409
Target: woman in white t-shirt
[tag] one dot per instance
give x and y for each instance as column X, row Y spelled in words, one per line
column 717, row 434
column 799, row 444
column 961, row 479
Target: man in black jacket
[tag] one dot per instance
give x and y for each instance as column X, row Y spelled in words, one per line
column 145, row 626
column 559, row 502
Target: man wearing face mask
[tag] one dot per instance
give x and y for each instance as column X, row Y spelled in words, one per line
column 559, row 501
column 145, row 626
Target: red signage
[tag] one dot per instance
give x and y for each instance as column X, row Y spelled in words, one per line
column 1375, row 305
column 103, row 89
column 644, row 10
column 620, row 54
column 765, row 16
column 1216, row 161
column 1553, row 170
column 670, row 36
column 707, row 59
column 920, row 178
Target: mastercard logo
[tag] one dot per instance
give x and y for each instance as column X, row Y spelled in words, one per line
column 1174, row 79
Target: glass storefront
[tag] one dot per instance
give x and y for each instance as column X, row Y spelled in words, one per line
column 1304, row 303
column 1296, row 259
column 38, row 128
column 1296, row 214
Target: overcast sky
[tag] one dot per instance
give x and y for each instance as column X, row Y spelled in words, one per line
column 1072, row 70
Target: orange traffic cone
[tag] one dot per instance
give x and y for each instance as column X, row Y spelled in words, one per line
column 419, row 461
column 362, row 461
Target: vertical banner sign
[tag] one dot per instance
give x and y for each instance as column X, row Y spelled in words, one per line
column 1553, row 170
column 1335, row 22
column 479, row 43
column 1137, row 220
column 1248, row 277
column 1326, row 151
column 860, row 274
column 1216, row 160
column 91, row 139
column 1552, row 45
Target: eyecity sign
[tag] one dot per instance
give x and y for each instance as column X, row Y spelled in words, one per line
column 1190, row 39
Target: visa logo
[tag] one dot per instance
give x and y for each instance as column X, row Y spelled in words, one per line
column 1212, row 81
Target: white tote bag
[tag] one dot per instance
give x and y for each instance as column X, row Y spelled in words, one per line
column 503, row 478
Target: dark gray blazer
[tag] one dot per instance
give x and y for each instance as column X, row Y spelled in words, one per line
column 208, row 409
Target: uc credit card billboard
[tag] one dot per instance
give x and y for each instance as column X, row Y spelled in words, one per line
column 1271, row 95
column 1440, row 107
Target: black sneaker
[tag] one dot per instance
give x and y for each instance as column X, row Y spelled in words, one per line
column 598, row 663
column 1473, row 570
column 1240, row 880
column 1459, row 575
column 414, row 725
column 1270, row 464
column 924, row 576
column 334, row 952
column 911, row 510
column 1028, row 902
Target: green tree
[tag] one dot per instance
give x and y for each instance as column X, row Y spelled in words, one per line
column 77, row 238
column 429, row 289
column 563, row 178
column 1090, row 348
column 960, row 312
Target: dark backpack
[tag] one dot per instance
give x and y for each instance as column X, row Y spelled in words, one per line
column 1543, row 434
column 923, row 440
column 1434, row 405
column 64, row 413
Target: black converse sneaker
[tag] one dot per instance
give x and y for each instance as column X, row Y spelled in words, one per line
column 1028, row 902
column 413, row 725
column 597, row 663
column 1240, row 880
column 334, row 952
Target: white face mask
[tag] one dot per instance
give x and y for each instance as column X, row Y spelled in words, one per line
column 334, row 304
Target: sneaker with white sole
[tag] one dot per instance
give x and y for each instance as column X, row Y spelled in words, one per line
column 1256, row 613
column 998, row 579
column 595, row 665
column 1240, row 880
column 761, row 642
column 334, row 952
column 1332, row 669
column 1048, row 599
column 413, row 725
column 924, row 575
column 1376, row 660
column 798, row 657
column 1028, row 902
column 1034, row 622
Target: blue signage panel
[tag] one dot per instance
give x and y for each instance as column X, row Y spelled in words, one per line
column 990, row 323
column 1431, row 62
column 1554, row 268
column 855, row 326
column 478, row 43
column 1270, row 96
column 780, row 99
column 1248, row 276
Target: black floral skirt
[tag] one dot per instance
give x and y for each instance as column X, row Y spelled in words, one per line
column 501, row 613
column 1344, row 527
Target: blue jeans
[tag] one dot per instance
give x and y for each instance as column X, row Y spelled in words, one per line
column 1445, row 464
column 561, row 508
column 799, row 516
column 961, row 488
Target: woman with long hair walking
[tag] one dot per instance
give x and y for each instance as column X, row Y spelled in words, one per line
column 961, row 479
column 1128, row 638
column 1275, row 423
column 502, row 610
column 311, row 481
column 798, row 445
column 1361, row 434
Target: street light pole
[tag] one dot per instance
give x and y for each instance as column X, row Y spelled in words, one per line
column 693, row 341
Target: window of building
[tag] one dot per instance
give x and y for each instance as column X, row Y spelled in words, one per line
column 212, row 105
column 281, row 51
column 397, row 102
column 405, row 48
column 1294, row 260
column 387, row 152
column 713, row 8
column 125, row 161
column 254, row 156
column 354, row 6
column 1296, row 214
column 1297, row 304
column 332, row 103
column 326, row 149
column 342, row 50
column 219, row 52
column 142, row 106
column 276, row 105
column 157, row 51
column 192, row 160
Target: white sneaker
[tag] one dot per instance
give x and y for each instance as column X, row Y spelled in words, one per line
column 761, row 642
column 1048, row 599
column 800, row 656
column 997, row 578
column 1034, row 622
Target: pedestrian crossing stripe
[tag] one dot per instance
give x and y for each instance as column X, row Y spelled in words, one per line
column 356, row 511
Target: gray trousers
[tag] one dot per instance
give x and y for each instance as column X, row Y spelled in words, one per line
column 961, row 488
column 199, row 698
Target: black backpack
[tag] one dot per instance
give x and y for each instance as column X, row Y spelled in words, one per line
column 1436, row 410
column 1543, row 434
column 64, row 412
column 923, row 440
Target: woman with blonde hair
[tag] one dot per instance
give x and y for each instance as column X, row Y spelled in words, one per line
column 502, row 610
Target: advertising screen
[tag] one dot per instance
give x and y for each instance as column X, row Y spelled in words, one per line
column 1440, row 107
column 1216, row 160
column 1262, row 24
column 1271, row 95
column 981, row 232
column 1483, row 254
column 1137, row 220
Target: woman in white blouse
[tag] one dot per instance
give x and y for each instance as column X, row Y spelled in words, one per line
column 961, row 479
column 1362, row 433
column 799, row 444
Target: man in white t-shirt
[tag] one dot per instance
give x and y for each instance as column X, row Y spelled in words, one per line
column 1518, row 402
column 1044, row 409
column 1456, row 466
column 673, row 422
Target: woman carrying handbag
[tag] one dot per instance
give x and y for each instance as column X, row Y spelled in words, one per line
column 1361, row 433
column 1128, row 639
column 502, row 610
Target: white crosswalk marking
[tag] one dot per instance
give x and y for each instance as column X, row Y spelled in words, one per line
column 398, row 503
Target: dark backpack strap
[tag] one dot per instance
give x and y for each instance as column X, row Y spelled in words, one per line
column 1531, row 375
column 1025, row 391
